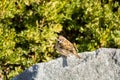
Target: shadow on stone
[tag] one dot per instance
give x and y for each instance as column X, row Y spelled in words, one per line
column 64, row 63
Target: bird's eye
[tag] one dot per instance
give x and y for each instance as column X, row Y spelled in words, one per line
column 60, row 41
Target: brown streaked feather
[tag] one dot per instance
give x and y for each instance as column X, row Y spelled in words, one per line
column 65, row 47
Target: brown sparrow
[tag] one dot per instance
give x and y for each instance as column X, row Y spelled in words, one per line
column 65, row 47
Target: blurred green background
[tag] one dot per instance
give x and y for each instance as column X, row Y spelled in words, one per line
column 29, row 29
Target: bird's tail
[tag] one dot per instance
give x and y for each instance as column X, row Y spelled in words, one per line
column 77, row 56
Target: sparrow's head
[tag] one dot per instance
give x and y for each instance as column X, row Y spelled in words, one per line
column 61, row 39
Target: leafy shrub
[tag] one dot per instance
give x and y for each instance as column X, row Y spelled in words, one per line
column 28, row 29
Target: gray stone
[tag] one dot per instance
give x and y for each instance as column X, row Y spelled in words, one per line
column 102, row 64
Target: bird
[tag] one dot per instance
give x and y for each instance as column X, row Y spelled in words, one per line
column 65, row 47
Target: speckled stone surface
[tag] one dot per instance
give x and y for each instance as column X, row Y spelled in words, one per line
column 102, row 64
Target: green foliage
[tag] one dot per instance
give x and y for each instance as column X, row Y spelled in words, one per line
column 29, row 28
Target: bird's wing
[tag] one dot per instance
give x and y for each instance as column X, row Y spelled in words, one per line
column 67, row 45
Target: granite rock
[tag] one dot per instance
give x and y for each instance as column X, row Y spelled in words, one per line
column 102, row 64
